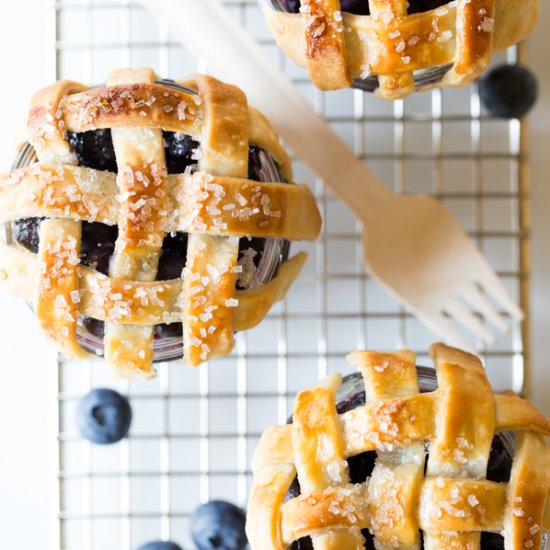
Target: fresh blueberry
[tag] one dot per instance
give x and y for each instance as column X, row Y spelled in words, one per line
column 218, row 525
column 26, row 232
column 94, row 149
column 160, row 545
column 103, row 416
column 179, row 149
column 509, row 91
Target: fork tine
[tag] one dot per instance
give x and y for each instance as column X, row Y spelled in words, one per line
column 492, row 283
column 477, row 299
column 464, row 316
column 441, row 326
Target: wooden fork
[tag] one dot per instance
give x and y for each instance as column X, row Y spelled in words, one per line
column 412, row 245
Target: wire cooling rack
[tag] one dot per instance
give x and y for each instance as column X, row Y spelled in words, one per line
column 194, row 431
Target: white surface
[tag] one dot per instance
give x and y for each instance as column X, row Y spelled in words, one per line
column 24, row 468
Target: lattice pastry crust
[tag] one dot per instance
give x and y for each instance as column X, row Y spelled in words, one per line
column 451, row 503
column 338, row 47
column 215, row 205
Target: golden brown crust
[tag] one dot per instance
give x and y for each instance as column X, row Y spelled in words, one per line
column 451, row 504
column 209, row 275
column 325, row 44
column 141, row 182
column 57, row 292
column 391, row 44
column 201, row 202
column 137, row 105
column 141, row 303
column 216, row 205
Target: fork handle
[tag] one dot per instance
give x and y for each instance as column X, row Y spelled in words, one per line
column 208, row 30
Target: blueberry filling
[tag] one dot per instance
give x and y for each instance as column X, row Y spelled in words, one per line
column 361, row 7
column 94, row 149
column 362, row 465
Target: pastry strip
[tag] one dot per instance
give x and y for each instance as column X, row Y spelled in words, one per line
column 57, row 291
column 198, row 202
column 141, row 180
column 209, row 275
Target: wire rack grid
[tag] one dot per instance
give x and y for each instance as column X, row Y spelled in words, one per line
column 194, row 431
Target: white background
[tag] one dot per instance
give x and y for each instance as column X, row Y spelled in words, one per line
column 25, row 472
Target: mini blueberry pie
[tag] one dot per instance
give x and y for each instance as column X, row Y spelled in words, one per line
column 157, row 213
column 394, row 465
column 394, row 47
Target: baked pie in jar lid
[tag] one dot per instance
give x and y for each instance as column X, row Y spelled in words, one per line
column 407, row 460
column 393, row 48
column 149, row 219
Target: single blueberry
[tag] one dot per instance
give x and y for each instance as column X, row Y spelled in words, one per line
column 160, row 545
column 103, row 416
column 94, row 149
column 26, row 232
column 218, row 525
column 179, row 150
column 508, row 91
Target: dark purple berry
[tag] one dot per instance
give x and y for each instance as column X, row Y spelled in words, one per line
column 94, row 327
column 361, row 7
column 26, row 232
column 492, row 541
column 98, row 245
column 500, row 462
column 173, row 257
column 218, row 525
column 103, row 416
column 357, row 7
column 509, row 91
column 94, row 149
column 421, row 6
column 179, row 149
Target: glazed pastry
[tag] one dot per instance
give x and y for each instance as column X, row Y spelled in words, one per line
column 397, row 47
column 144, row 222
column 349, row 475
